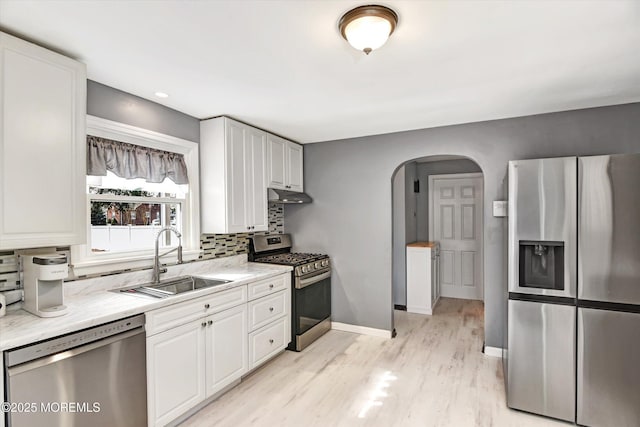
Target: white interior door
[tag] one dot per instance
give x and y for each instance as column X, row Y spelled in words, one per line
column 455, row 220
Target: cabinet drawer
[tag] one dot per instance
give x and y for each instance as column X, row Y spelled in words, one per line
column 267, row 341
column 268, row 286
column 267, row 309
column 178, row 314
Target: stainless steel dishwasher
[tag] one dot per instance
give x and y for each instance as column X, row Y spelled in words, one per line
column 95, row 377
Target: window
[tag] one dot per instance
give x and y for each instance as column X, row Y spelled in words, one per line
column 124, row 215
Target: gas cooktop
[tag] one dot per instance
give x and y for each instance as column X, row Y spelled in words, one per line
column 293, row 259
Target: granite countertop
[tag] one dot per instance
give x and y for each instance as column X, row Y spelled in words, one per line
column 20, row 327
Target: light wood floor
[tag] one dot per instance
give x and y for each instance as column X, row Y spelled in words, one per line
column 432, row 374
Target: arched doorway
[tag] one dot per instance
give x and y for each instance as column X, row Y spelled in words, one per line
column 428, row 204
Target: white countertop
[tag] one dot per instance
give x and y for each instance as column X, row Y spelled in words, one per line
column 19, row 327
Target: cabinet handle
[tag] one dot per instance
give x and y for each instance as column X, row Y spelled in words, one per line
column 210, row 322
column 204, row 324
column 206, row 306
column 270, row 308
column 271, row 286
column 271, row 341
column 248, row 228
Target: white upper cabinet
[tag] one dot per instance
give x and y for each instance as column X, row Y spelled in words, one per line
column 284, row 160
column 256, row 160
column 277, row 160
column 42, row 146
column 232, row 177
column 294, row 167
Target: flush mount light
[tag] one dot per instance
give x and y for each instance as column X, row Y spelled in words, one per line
column 162, row 95
column 368, row 27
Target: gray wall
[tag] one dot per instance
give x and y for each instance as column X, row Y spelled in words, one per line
column 436, row 168
column 410, row 203
column 399, row 238
column 113, row 104
column 350, row 217
column 404, row 227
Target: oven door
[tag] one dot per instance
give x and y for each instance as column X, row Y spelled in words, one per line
column 312, row 300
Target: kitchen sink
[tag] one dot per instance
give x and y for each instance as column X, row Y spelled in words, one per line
column 175, row 286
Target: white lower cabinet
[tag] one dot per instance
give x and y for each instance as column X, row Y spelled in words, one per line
column 423, row 290
column 197, row 348
column 226, row 358
column 175, row 372
column 267, row 342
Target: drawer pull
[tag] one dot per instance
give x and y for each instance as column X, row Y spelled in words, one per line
column 204, row 324
column 206, row 306
column 270, row 308
column 210, row 322
column 271, row 341
column 271, row 286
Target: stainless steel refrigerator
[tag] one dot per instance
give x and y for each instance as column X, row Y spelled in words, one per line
column 574, row 289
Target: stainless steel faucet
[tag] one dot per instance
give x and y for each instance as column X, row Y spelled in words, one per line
column 156, row 261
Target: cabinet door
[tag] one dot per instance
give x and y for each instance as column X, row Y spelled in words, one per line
column 236, row 177
column 175, row 371
column 277, row 159
column 258, row 212
column 294, row 167
column 42, row 147
column 418, row 280
column 226, row 348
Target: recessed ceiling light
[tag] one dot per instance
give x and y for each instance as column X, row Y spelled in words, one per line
column 368, row 27
column 162, row 95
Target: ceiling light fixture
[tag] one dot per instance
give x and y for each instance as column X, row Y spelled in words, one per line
column 368, row 27
column 162, row 95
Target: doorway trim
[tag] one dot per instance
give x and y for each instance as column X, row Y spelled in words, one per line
column 432, row 178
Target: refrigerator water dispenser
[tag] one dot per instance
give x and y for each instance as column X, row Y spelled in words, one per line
column 541, row 264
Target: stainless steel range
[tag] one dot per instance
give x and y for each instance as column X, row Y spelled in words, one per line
column 311, row 280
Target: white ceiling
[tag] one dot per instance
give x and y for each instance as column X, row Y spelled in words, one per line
column 283, row 66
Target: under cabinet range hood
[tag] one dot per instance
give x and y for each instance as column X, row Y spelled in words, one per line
column 284, row 196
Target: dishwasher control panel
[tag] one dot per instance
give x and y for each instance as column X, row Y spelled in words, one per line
column 75, row 339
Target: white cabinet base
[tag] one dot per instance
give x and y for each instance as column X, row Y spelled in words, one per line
column 422, row 277
column 199, row 349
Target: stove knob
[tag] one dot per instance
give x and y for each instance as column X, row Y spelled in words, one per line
column 304, row 269
column 325, row 263
column 317, row 265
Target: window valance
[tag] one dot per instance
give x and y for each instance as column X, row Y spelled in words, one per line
column 133, row 161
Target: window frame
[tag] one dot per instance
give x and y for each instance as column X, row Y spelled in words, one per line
column 86, row 262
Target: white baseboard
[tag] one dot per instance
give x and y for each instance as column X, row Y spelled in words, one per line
column 493, row 351
column 345, row 327
column 419, row 310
